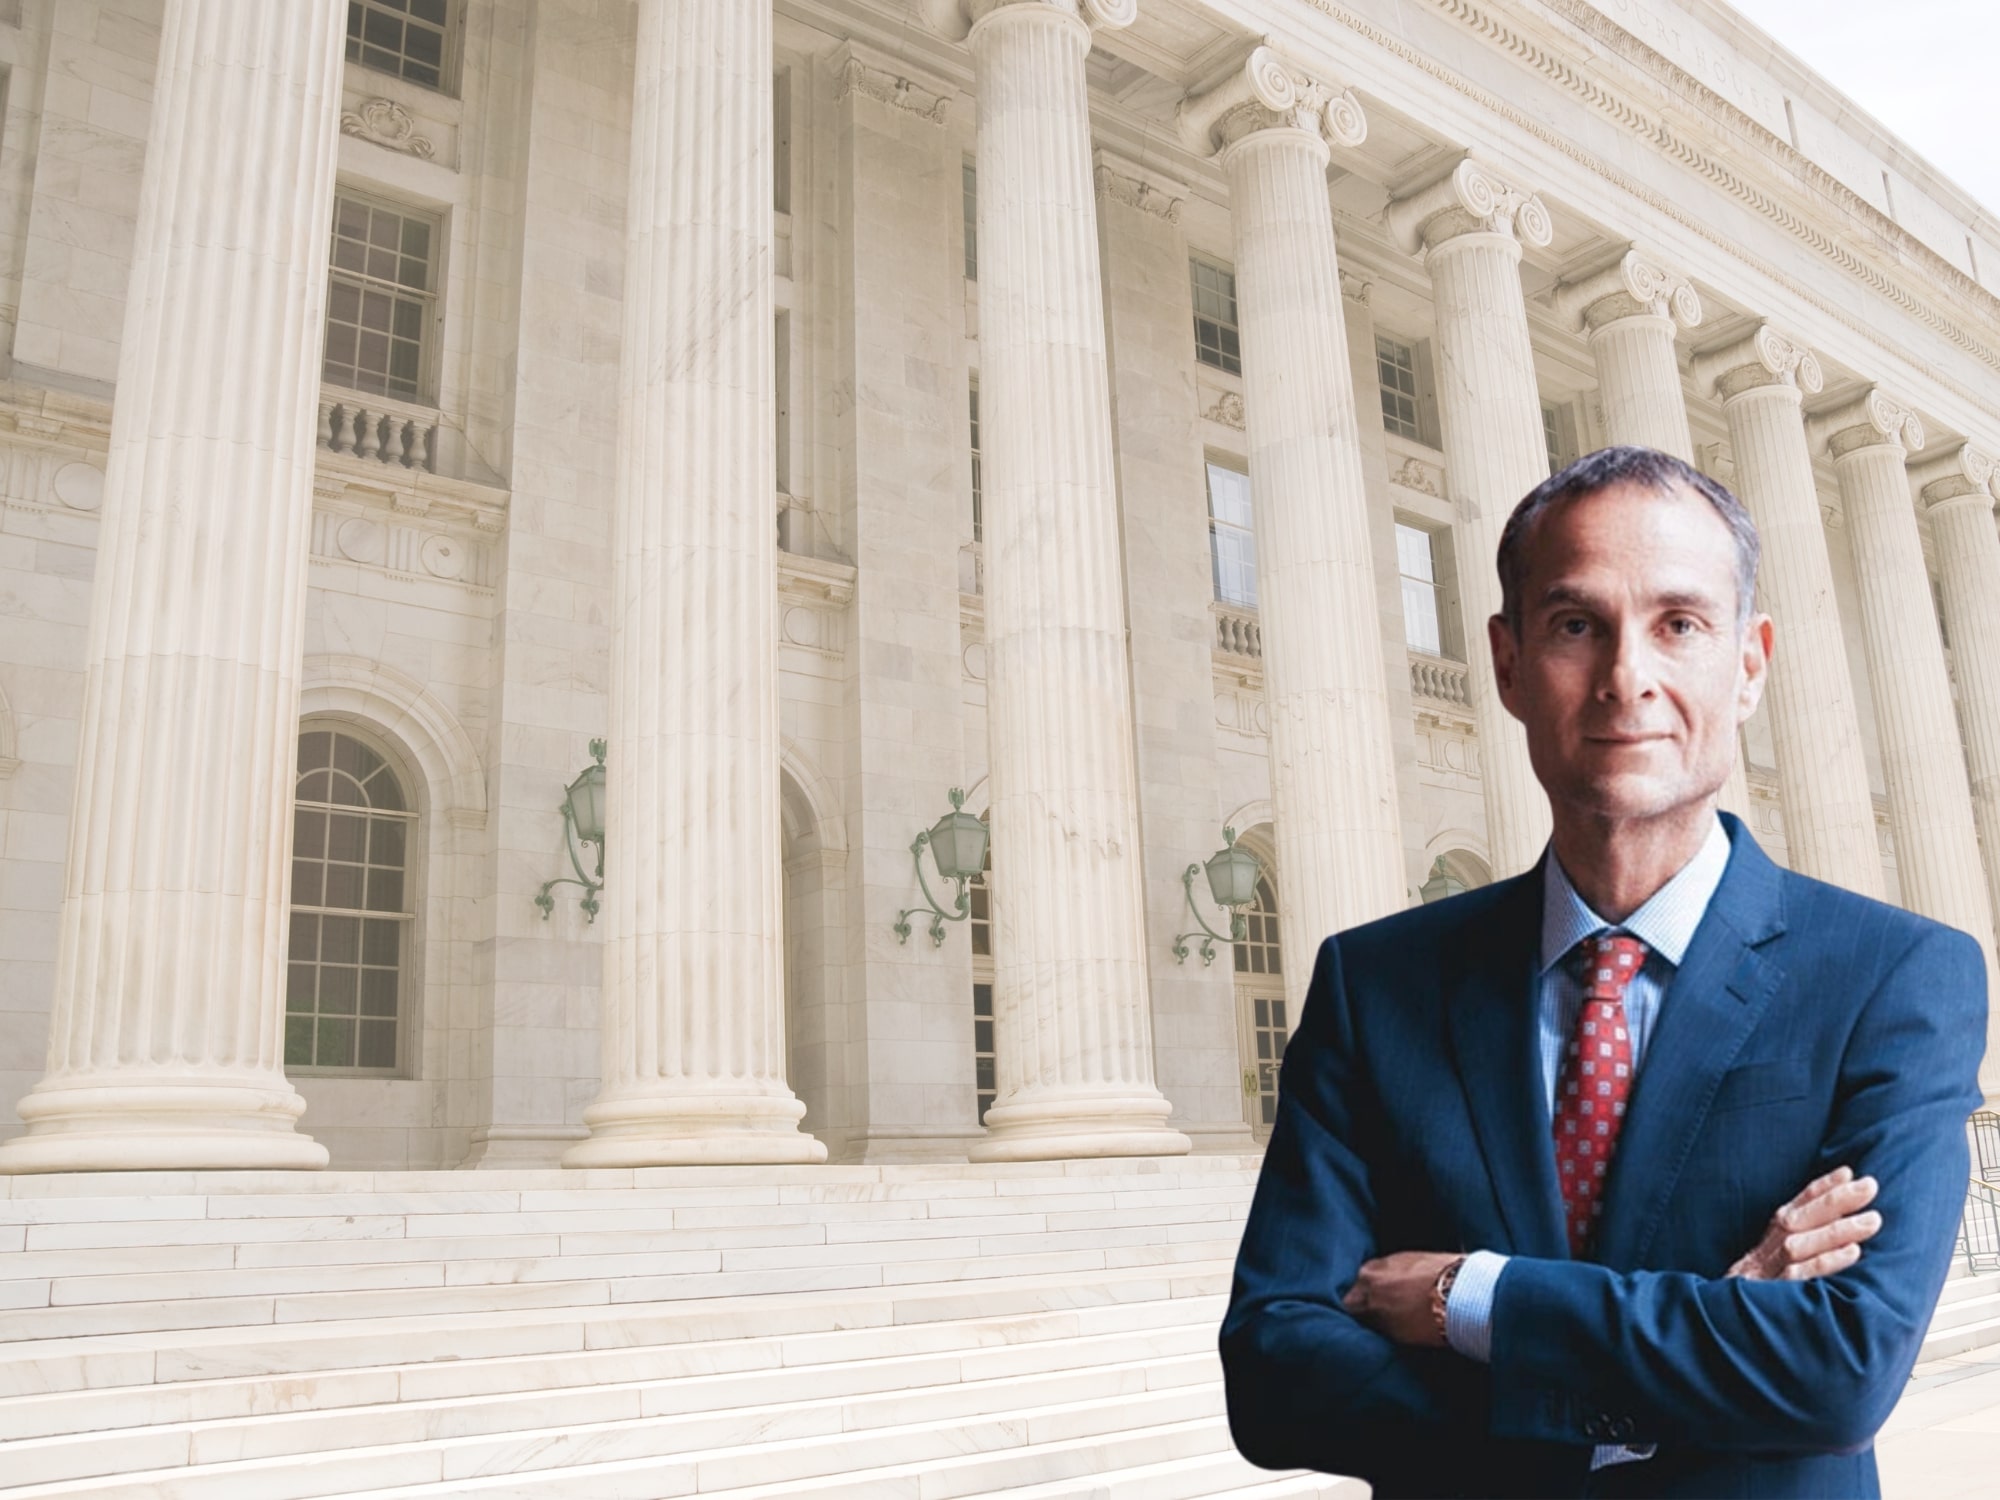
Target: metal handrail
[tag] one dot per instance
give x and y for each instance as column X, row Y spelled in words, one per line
column 1985, row 1129
column 1979, row 1227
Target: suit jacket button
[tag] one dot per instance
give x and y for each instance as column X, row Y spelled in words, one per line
column 1594, row 1427
column 1621, row 1429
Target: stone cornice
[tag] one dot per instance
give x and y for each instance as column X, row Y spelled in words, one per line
column 1873, row 419
column 859, row 69
column 1582, row 80
column 1471, row 200
column 1636, row 286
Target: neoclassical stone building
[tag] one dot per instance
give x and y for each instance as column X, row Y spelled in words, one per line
column 1104, row 408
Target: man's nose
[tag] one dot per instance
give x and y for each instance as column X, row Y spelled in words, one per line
column 1630, row 674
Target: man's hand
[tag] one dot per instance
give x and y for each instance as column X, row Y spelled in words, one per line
column 1392, row 1295
column 1817, row 1233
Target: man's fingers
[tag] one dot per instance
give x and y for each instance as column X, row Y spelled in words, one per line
column 1825, row 1200
column 1823, row 1265
column 1852, row 1230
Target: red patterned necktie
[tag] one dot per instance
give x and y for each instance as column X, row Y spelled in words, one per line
column 1595, row 1080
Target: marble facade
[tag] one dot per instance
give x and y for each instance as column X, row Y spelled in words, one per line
column 645, row 338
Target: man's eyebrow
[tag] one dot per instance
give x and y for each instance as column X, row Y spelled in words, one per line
column 1559, row 595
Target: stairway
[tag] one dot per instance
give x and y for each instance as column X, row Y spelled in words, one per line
column 1039, row 1331
column 1967, row 1317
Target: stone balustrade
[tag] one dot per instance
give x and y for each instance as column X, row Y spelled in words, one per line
column 374, row 427
column 1238, row 632
column 1439, row 681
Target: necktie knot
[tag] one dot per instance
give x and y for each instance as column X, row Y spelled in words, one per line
column 1611, row 961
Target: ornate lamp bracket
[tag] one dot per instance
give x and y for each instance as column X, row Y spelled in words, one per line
column 570, row 838
column 1227, row 856
column 961, row 905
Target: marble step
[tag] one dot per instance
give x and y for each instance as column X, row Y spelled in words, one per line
column 503, row 1434
column 709, row 1453
column 134, row 1358
column 1967, row 1316
column 689, row 1376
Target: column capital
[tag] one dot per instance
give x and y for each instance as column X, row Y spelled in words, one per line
column 859, row 69
column 1269, row 92
column 1124, row 180
column 1472, row 200
column 1761, row 358
column 1873, row 419
column 1965, row 473
column 953, row 19
column 1634, row 286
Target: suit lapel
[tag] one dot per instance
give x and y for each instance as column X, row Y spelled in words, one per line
column 1492, row 1019
column 1711, row 1007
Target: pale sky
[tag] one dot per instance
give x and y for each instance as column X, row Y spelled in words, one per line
column 1924, row 68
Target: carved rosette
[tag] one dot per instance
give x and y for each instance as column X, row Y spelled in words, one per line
column 1472, row 200
column 1270, row 93
column 1761, row 358
column 1635, row 287
column 1872, row 420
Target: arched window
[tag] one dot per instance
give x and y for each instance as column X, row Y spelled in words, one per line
column 352, row 906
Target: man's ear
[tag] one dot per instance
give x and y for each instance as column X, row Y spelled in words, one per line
column 1759, row 639
column 1506, row 648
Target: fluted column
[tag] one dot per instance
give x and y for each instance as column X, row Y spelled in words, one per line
column 1633, row 311
column 1829, row 814
column 1469, row 228
column 693, row 996
column 1958, row 489
column 1916, row 726
column 1073, row 1031
column 166, row 1043
column 1333, row 776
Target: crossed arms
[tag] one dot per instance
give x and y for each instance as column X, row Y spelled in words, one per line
column 1746, row 1362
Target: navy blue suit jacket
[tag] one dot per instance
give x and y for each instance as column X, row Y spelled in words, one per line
column 1806, row 1027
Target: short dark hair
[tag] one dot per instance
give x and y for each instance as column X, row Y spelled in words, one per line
column 1647, row 468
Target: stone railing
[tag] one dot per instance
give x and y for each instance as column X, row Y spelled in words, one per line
column 1440, row 681
column 1238, row 631
column 376, row 428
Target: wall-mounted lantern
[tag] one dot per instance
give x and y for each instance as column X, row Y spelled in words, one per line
column 583, row 821
column 1232, row 883
column 1441, row 884
column 958, row 843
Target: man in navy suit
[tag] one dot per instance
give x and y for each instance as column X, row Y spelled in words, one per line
column 1515, row 1230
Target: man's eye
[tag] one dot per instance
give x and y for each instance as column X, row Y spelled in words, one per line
column 1574, row 625
column 1683, row 625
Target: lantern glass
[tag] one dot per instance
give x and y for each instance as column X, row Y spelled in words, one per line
column 958, row 843
column 1441, row 884
column 1232, row 876
column 586, row 804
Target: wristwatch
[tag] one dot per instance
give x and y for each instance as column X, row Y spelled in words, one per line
column 1441, row 1294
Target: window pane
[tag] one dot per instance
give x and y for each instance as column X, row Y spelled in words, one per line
column 385, row 890
column 308, row 883
column 298, row 1041
column 299, row 987
column 378, row 992
column 305, row 936
column 340, row 940
column 337, row 991
column 335, row 1043
column 382, row 942
column 378, row 1044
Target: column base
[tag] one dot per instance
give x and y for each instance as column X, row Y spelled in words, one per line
column 1048, row 1128
column 696, row 1129
column 156, row 1124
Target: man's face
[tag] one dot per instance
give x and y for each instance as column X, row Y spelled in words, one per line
column 1630, row 674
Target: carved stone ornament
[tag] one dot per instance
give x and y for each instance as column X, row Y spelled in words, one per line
column 1870, row 421
column 952, row 19
column 1137, row 193
column 1966, row 472
column 886, row 86
column 1415, row 475
column 1355, row 288
column 1470, row 201
column 1228, row 410
column 1763, row 357
column 1269, row 93
column 1635, row 287
column 387, row 123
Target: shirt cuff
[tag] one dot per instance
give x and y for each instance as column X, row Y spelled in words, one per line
column 1468, row 1311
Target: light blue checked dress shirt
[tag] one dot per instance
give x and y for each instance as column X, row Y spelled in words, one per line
column 1666, row 925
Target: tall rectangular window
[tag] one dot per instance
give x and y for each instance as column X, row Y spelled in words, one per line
column 969, row 203
column 1396, row 373
column 978, row 479
column 781, row 141
column 985, row 1065
column 1418, row 567
column 1232, row 544
column 381, row 298
column 1559, row 431
column 404, row 37
column 1217, row 340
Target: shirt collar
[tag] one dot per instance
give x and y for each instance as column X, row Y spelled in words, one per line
column 1665, row 924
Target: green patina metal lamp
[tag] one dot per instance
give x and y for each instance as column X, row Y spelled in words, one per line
column 1442, row 883
column 958, row 844
column 1233, row 872
column 583, row 822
